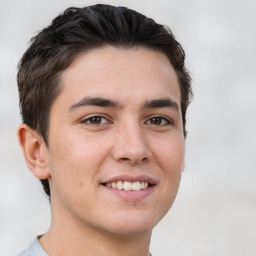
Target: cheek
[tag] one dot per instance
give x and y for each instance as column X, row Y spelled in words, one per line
column 170, row 155
column 71, row 177
column 77, row 158
column 171, row 161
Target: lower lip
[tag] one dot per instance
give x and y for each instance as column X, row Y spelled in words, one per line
column 131, row 195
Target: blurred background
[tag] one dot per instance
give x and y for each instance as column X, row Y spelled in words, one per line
column 215, row 210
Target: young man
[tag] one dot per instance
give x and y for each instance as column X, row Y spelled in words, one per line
column 103, row 96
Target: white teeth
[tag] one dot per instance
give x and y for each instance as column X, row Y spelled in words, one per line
column 136, row 185
column 127, row 185
column 119, row 185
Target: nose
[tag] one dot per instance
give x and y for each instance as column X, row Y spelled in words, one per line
column 131, row 146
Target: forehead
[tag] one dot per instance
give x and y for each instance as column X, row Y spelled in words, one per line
column 117, row 73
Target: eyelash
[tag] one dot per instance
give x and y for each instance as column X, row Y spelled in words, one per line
column 99, row 118
column 90, row 119
column 161, row 119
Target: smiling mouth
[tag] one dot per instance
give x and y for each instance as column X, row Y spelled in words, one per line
column 127, row 185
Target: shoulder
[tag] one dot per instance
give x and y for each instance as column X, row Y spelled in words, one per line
column 34, row 249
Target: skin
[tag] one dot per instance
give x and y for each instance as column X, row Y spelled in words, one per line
column 123, row 140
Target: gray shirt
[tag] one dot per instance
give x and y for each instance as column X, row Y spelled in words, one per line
column 35, row 249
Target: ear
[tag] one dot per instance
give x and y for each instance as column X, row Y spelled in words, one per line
column 183, row 168
column 183, row 162
column 34, row 151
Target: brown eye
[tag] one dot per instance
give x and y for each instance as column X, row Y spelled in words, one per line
column 95, row 120
column 158, row 121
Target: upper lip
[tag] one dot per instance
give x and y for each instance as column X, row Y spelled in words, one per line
column 130, row 179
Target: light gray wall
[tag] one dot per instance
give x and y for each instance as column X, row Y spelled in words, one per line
column 215, row 211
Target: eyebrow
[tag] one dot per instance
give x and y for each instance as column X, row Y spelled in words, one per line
column 103, row 102
column 162, row 103
column 95, row 101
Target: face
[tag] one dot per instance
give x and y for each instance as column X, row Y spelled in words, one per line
column 116, row 143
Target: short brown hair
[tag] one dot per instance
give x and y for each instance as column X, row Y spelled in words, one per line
column 78, row 30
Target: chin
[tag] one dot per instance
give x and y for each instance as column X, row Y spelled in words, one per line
column 131, row 230
column 133, row 224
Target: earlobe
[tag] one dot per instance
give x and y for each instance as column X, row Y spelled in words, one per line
column 34, row 151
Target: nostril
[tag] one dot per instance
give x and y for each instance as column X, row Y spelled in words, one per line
column 124, row 159
column 132, row 160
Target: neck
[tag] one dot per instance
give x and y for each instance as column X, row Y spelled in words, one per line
column 74, row 238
